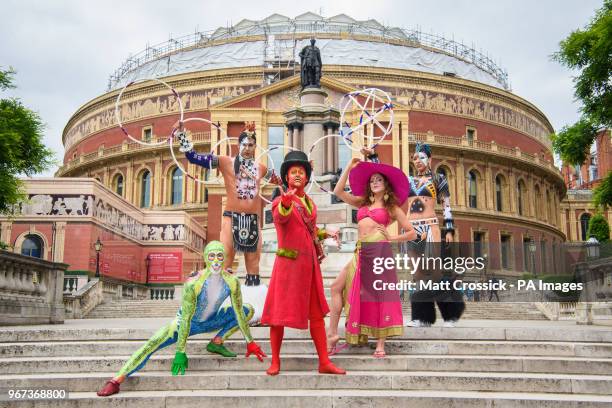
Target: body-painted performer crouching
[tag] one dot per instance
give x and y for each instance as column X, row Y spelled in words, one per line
column 240, row 229
column 426, row 189
column 295, row 297
column 200, row 312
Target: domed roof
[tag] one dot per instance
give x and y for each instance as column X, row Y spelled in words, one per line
column 341, row 39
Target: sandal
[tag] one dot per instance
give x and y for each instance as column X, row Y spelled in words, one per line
column 379, row 354
column 337, row 348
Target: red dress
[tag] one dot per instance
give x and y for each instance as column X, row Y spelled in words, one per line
column 289, row 295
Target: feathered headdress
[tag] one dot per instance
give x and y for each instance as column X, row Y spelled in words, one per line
column 249, row 128
column 423, row 147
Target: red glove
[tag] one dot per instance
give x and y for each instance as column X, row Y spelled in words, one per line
column 287, row 198
column 253, row 348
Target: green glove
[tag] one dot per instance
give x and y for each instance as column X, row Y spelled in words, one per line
column 179, row 364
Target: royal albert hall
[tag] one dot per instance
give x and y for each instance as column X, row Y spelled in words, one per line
column 491, row 144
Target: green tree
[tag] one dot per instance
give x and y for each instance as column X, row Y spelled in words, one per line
column 599, row 228
column 21, row 149
column 589, row 51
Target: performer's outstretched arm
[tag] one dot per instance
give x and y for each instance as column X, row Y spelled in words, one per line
column 236, row 297
column 208, row 160
column 339, row 189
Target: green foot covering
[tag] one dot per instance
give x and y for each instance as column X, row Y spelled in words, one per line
column 219, row 349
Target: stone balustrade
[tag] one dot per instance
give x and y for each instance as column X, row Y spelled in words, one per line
column 162, row 293
column 30, row 290
column 595, row 306
column 117, row 290
column 196, row 137
column 78, row 304
column 429, row 137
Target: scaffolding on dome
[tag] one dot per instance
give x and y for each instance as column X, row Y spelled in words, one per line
column 281, row 34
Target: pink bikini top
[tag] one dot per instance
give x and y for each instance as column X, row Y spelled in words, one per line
column 379, row 215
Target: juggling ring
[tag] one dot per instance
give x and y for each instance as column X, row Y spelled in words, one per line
column 171, row 142
column 118, row 115
column 309, row 158
column 386, row 106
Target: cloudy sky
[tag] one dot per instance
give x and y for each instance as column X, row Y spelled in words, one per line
column 64, row 51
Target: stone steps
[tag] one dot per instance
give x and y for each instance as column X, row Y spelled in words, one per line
column 296, row 362
column 306, row 380
column 480, row 364
column 474, row 310
column 197, row 345
column 325, row 398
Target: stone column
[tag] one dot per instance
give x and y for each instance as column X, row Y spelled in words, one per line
column 563, row 226
column 531, row 198
column 297, row 140
column 329, row 150
column 289, row 134
column 460, row 182
column 59, row 241
column 5, row 231
column 157, row 198
column 573, row 225
column 396, row 147
column 313, row 103
column 129, row 181
column 489, row 187
column 512, row 186
column 107, row 181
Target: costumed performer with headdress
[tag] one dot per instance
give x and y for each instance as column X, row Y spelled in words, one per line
column 240, row 229
column 426, row 189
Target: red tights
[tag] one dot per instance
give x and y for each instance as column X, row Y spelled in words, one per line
column 319, row 338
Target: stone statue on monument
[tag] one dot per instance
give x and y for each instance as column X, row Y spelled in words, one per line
column 310, row 66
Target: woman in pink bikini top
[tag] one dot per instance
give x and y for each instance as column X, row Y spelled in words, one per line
column 378, row 190
column 378, row 215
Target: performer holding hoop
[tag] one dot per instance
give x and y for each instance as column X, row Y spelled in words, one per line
column 240, row 228
column 425, row 189
column 377, row 191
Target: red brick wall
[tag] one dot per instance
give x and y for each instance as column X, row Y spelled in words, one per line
column 254, row 102
column 456, row 126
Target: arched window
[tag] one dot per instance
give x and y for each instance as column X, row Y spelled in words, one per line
column 499, row 194
column 584, row 225
column 176, row 189
column 472, row 189
column 145, row 189
column 118, row 184
column 521, row 197
column 32, row 246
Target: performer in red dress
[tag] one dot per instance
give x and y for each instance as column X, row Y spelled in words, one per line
column 295, row 296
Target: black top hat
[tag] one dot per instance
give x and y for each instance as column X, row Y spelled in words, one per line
column 295, row 157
